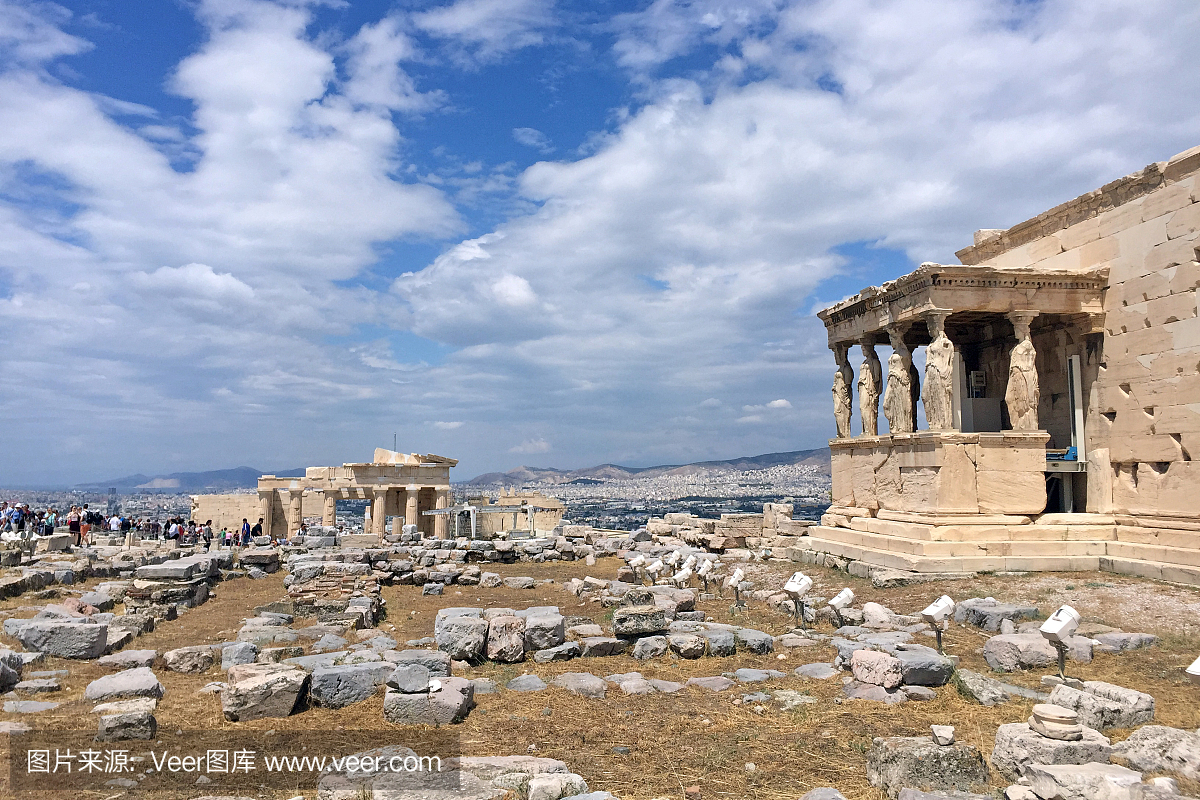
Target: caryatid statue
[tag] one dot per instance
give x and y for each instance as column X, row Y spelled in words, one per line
column 870, row 385
column 1022, row 394
column 898, row 394
column 938, row 392
column 842, row 381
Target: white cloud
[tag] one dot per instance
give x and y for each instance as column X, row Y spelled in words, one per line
column 673, row 264
column 538, row 445
column 487, row 29
column 532, row 137
column 447, row 426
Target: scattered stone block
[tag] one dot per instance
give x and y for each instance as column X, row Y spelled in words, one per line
column 900, row 762
column 817, row 672
column 639, row 620
column 923, row 666
column 564, row 652
column 716, row 683
column 526, row 683
column 649, row 647
column 1010, row 652
column 602, row 646
column 76, row 640
column 451, row 703
column 687, row 645
column 128, row 659
column 988, row 613
column 192, row 660
column 1158, row 748
column 256, row 691
column 1103, row 705
column 437, row 662
column 720, row 642
column 462, row 638
column 880, row 669
column 136, row 682
column 238, row 653
column 544, row 631
column 506, row 639
column 756, row 642
column 1017, row 746
column 131, row 706
column 582, row 683
column 856, row 690
column 1082, row 781
column 122, row 727
column 342, row 685
column 1118, row 641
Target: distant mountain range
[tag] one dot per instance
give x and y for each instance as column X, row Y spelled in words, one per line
column 225, row 480
column 217, row 479
column 609, row 472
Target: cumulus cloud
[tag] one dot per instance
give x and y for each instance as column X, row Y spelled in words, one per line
column 162, row 278
column 538, row 445
column 447, row 426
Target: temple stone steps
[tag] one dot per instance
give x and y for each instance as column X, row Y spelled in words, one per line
column 1117, row 557
column 976, row 548
column 984, row 533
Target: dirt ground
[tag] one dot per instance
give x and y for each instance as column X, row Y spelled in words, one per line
column 694, row 736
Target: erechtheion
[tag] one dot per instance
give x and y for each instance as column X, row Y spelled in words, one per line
column 1061, row 389
column 395, row 484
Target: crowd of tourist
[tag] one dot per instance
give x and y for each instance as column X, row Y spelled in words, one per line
column 19, row 521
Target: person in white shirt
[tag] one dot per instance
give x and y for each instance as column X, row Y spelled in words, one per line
column 114, row 524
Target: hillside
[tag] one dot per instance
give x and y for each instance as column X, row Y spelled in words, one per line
column 818, row 457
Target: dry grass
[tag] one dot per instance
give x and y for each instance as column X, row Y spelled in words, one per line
column 695, row 736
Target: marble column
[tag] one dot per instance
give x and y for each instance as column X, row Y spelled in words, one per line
column 441, row 523
column 329, row 517
column 899, row 406
column 410, row 506
column 870, row 385
column 266, row 504
column 379, row 512
column 938, row 391
column 1023, row 392
column 843, row 379
column 295, row 512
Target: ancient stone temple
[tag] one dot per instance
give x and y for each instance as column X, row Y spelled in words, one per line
column 395, row 484
column 1060, row 393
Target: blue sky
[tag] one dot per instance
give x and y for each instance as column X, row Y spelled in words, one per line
column 513, row 231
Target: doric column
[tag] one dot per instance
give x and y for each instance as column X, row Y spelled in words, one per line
column 938, row 391
column 295, row 511
column 441, row 523
column 843, row 379
column 1023, row 392
column 265, row 507
column 410, row 505
column 379, row 512
column 899, row 404
column 870, row 383
column 329, row 518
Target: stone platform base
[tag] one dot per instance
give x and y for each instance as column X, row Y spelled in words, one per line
column 925, row 544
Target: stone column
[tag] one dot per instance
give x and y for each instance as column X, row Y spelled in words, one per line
column 843, row 379
column 1023, row 392
column 295, row 512
column 410, row 506
column 379, row 512
column 938, row 392
column 441, row 523
column 898, row 405
column 870, row 381
column 266, row 505
column 329, row 517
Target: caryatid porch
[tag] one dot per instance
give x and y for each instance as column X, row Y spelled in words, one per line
column 395, row 484
column 1003, row 392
